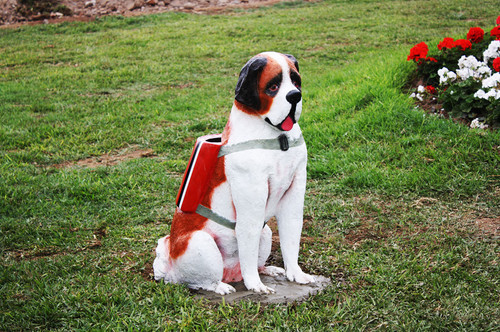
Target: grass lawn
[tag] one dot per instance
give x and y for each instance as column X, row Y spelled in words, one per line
column 402, row 208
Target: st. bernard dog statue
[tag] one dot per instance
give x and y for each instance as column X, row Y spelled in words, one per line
column 262, row 175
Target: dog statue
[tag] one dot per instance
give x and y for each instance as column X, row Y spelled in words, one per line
column 261, row 174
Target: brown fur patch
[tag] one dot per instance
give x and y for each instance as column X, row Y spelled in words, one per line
column 270, row 71
column 185, row 224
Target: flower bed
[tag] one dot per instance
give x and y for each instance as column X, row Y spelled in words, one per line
column 461, row 78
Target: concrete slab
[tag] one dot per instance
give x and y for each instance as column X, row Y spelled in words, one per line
column 286, row 291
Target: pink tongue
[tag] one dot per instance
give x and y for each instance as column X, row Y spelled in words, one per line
column 287, row 124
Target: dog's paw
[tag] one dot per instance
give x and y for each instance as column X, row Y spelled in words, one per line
column 260, row 288
column 300, row 277
column 224, row 289
column 272, row 271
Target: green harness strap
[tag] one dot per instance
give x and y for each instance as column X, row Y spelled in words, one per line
column 209, row 214
column 281, row 143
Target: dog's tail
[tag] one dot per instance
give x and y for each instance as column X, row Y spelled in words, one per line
column 161, row 264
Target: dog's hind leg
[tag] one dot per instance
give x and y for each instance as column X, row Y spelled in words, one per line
column 201, row 266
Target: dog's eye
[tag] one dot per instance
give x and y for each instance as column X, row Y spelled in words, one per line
column 274, row 88
column 295, row 77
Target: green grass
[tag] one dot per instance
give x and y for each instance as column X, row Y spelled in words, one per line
column 401, row 207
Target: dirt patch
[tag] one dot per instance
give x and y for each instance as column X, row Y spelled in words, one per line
column 13, row 14
column 110, row 159
column 489, row 226
column 148, row 273
column 424, row 201
column 366, row 231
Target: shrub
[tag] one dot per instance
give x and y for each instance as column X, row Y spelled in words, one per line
column 464, row 73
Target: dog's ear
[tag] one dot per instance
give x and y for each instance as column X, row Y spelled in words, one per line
column 295, row 62
column 246, row 91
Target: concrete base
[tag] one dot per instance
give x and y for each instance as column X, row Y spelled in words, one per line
column 286, row 291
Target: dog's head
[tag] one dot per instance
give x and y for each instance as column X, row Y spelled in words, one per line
column 269, row 86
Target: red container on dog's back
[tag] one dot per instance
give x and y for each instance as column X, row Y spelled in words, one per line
column 198, row 172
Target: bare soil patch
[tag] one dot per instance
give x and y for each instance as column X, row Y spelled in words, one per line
column 489, row 226
column 109, row 159
column 13, row 14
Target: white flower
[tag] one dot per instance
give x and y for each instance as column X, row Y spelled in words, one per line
column 417, row 96
column 469, row 67
column 443, row 71
column 480, row 94
column 496, row 77
column 497, row 94
column 484, row 71
column 492, row 93
column 469, row 62
column 488, row 83
column 476, row 124
column 492, row 52
column 465, row 73
column 443, row 77
column 492, row 81
column 464, row 62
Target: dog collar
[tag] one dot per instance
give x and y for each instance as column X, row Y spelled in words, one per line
column 281, row 143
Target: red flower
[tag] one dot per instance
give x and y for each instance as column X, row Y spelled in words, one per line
column 496, row 64
column 498, row 20
column 495, row 32
column 446, row 43
column 463, row 44
column 475, row 35
column 418, row 52
column 431, row 89
column 431, row 59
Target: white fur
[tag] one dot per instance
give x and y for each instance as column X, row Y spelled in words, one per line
column 260, row 184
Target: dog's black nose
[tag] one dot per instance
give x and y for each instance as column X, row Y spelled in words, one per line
column 294, row 96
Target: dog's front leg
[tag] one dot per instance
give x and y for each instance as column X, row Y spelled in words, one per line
column 290, row 220
column 249, row 191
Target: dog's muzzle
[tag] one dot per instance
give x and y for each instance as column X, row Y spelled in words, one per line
column 293, row 97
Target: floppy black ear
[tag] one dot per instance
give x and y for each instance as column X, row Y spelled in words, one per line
column 295, row 62
column 246, row 89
